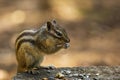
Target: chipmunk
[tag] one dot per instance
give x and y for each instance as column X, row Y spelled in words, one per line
column 32, row 45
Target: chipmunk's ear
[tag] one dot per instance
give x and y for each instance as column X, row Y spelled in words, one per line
column 49, row 26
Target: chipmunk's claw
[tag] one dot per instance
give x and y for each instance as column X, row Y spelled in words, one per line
column 45, row 67
column 32, row 71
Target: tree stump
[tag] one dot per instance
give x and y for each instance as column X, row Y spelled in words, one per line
column 74, row 73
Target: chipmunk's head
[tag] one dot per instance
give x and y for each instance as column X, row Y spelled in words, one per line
column 59, row 34
column 52, row 38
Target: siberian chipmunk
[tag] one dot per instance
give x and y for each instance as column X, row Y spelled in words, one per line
column 32, row 45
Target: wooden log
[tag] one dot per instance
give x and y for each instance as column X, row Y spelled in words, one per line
column 74, row 73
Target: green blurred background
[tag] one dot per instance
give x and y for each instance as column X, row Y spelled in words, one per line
column 92, row 25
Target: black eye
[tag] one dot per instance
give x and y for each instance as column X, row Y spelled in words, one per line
column 59, row 34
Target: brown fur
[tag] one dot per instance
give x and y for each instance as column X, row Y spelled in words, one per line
column 31, row 46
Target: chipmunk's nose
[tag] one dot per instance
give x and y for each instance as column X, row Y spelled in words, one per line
column 68, row 40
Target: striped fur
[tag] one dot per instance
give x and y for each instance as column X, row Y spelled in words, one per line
column 25, row 36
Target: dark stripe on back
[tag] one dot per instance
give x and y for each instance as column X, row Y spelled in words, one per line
column 25, row 34
column 24, row 41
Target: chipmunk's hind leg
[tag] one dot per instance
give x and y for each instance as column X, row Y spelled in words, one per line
column 30, row 63
column 20, row 69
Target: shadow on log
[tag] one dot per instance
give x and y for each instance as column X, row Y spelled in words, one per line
column 74, row 73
